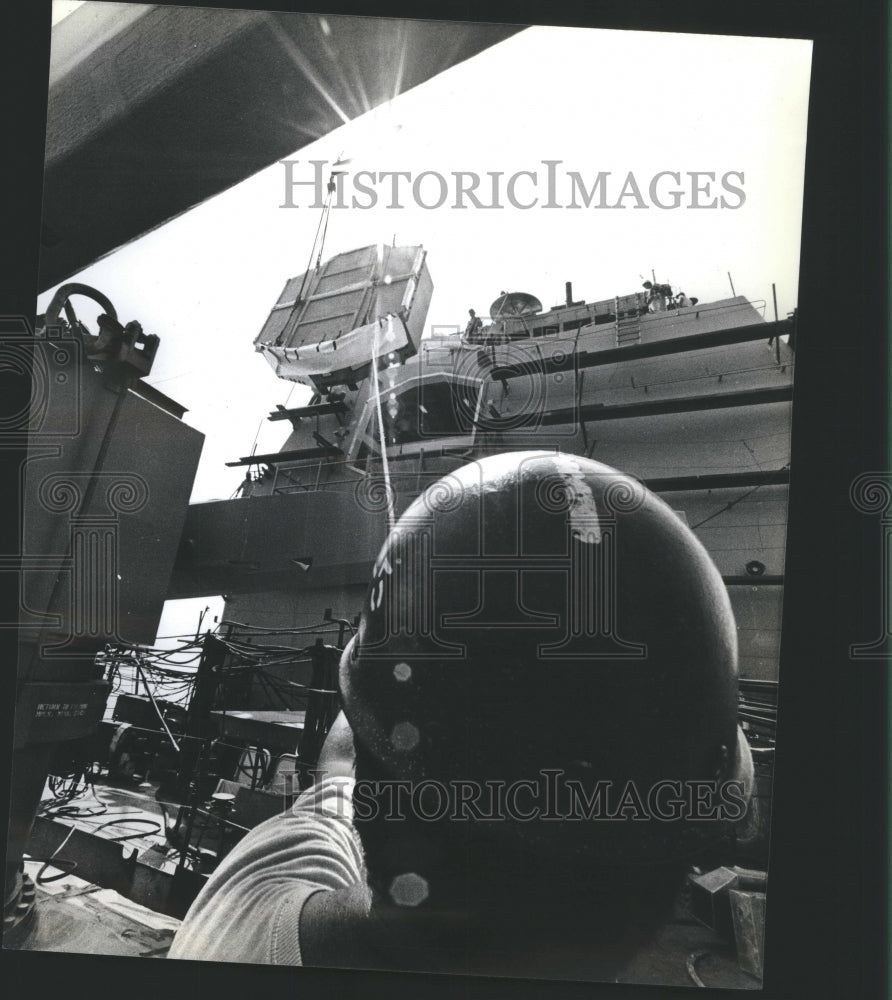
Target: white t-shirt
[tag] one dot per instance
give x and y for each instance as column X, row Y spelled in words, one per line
column 249, row 910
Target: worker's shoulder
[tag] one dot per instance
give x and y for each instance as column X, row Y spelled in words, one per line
column 329, row 919
column 316, row 829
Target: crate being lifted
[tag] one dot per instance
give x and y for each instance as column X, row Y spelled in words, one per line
column 330, row 323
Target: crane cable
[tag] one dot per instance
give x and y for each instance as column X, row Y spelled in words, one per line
column 376, row 389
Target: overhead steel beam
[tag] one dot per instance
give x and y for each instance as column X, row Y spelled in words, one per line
column 154, row 109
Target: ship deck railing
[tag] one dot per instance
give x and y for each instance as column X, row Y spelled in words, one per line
column 589, row 317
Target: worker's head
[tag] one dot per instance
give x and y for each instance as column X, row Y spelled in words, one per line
column 471, row 313
column 546, row 659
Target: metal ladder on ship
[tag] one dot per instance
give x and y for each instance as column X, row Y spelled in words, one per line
column 628, row 325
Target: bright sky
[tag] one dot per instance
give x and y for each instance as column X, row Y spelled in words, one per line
column 595, row 100
column 62, row 8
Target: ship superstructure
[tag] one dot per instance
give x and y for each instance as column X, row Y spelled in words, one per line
column 691, row 398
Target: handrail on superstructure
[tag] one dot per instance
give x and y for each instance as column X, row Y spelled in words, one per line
column 653, row 349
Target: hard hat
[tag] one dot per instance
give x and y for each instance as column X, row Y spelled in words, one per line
column 541, row 613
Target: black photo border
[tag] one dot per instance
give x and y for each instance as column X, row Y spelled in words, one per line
column 827, row 918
